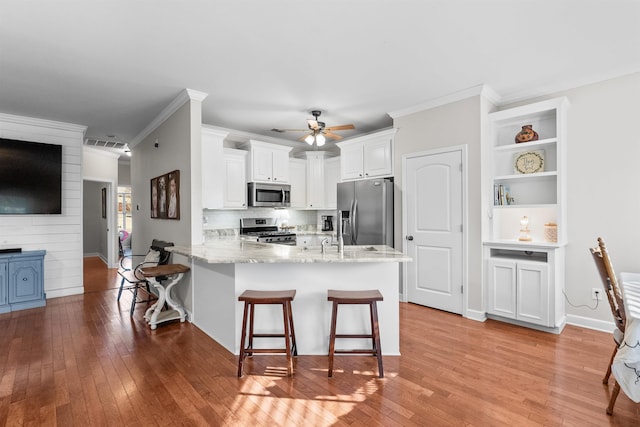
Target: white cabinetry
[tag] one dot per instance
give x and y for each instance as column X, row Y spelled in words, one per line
column 331, row 179
column 525, row 278
column 315, row 179
column 522, row 285
column 268, row 162
column 235, row 179
column 368, row 156
column 298, row 178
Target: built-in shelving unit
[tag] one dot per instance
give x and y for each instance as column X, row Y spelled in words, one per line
column 524, row 271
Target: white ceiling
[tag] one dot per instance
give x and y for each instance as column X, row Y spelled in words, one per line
column 114, row 65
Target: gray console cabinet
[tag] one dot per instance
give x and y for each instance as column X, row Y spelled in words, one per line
column 22, row 280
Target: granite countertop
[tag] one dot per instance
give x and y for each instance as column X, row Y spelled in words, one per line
column 233, row 250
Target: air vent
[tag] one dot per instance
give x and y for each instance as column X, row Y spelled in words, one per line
column 106, row 144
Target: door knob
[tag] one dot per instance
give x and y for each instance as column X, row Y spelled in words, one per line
column 409, row 237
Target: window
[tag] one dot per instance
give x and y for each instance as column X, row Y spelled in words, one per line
column 124, row 208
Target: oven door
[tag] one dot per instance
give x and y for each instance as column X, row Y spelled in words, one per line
column 269, row 195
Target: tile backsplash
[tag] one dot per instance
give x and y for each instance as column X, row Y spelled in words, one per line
column 227, row 222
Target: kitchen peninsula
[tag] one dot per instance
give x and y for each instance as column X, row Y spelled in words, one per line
column 222, row 269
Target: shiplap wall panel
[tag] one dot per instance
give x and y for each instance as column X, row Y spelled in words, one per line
column 59, row 235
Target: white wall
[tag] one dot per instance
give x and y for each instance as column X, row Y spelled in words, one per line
column 603, row 180
column 59, row 235
column 603, row 186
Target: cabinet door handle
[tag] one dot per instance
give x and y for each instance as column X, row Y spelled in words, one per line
column 24, row 279
column 409, row 237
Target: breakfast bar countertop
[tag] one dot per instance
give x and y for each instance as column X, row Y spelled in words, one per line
column 236, row 250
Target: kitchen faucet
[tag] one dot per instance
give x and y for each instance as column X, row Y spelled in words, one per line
column 340, row 242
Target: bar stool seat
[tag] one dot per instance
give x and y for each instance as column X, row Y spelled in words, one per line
column 251, row 298
column 370, row 297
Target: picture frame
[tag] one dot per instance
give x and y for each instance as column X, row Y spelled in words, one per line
column 165, row 196
column 527, row 162
column 104, row 203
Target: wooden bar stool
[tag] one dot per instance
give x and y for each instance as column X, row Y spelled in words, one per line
column 251, row 298
column 356, row 297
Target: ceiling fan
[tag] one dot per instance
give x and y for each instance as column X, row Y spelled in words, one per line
column 319, row 132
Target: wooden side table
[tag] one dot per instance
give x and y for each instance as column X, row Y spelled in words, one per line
column 155, row 314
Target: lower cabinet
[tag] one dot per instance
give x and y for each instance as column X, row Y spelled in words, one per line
column 22, row 280
column 526, row 286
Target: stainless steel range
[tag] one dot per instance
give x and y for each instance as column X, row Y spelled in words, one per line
column 266, row 230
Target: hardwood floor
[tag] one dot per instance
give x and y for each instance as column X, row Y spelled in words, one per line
column 81, row 360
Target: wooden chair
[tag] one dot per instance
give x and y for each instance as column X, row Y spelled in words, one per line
column 133, row 280
column 616, row 302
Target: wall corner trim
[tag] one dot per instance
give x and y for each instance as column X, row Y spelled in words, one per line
column 183, row 97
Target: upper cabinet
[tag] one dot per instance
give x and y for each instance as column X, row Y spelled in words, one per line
column 331, row 179
column 526, row 179
column 368, row 156
column 315, row 179
column 268, row 162
column 298, row 177
column 235, row 179
column 224, row 180
column 212, row 168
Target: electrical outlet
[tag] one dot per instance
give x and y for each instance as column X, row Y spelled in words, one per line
column 596, row 294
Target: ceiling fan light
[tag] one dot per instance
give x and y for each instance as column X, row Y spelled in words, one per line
column 309, row 139
column 320, row 139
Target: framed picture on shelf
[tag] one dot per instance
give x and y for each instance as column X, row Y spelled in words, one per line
column 526, row 162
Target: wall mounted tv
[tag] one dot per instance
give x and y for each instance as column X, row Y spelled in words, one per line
column 30, row 178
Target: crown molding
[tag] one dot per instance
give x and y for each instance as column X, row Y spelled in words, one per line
column 183, row 97
column 100, row 152
column 30, row 121
column 480, row 90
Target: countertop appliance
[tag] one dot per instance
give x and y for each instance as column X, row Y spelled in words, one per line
column 269, row 195
column 327, row 223
column 365, row 210
column 266, row 230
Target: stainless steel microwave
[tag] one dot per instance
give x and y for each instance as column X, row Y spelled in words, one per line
column 269, row 195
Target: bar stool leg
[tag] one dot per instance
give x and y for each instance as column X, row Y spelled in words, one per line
column 287, row 337
column 252, row 308
column 375, row 330
column 332, row 337
column 293, row 332
column 243, row 334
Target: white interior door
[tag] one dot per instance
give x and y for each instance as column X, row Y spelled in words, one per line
column 433, row 225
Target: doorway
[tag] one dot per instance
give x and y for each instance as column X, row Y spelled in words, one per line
column 98, row 221
column 434, row 203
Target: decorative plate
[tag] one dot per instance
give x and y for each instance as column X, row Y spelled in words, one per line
column 529, row 162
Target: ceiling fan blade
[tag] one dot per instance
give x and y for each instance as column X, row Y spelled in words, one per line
column 331, row 135
column 288, row 130
column 313, row 124
column 341, row 127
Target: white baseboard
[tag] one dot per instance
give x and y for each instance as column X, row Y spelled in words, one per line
column 589, row 323
column 57, row 293
column 477, row 315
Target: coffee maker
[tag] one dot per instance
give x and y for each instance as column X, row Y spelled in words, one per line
column 327, row 223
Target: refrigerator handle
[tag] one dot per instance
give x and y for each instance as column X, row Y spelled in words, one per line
column 354, row 222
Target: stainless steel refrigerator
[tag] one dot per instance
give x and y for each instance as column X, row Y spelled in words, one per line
column 365, row 211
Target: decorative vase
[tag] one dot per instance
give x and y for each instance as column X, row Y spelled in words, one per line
column 526, row 134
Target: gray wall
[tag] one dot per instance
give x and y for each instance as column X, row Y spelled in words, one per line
column 93, row 225
column 454, row 124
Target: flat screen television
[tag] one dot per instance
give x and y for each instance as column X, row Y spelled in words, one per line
column 30, row 178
